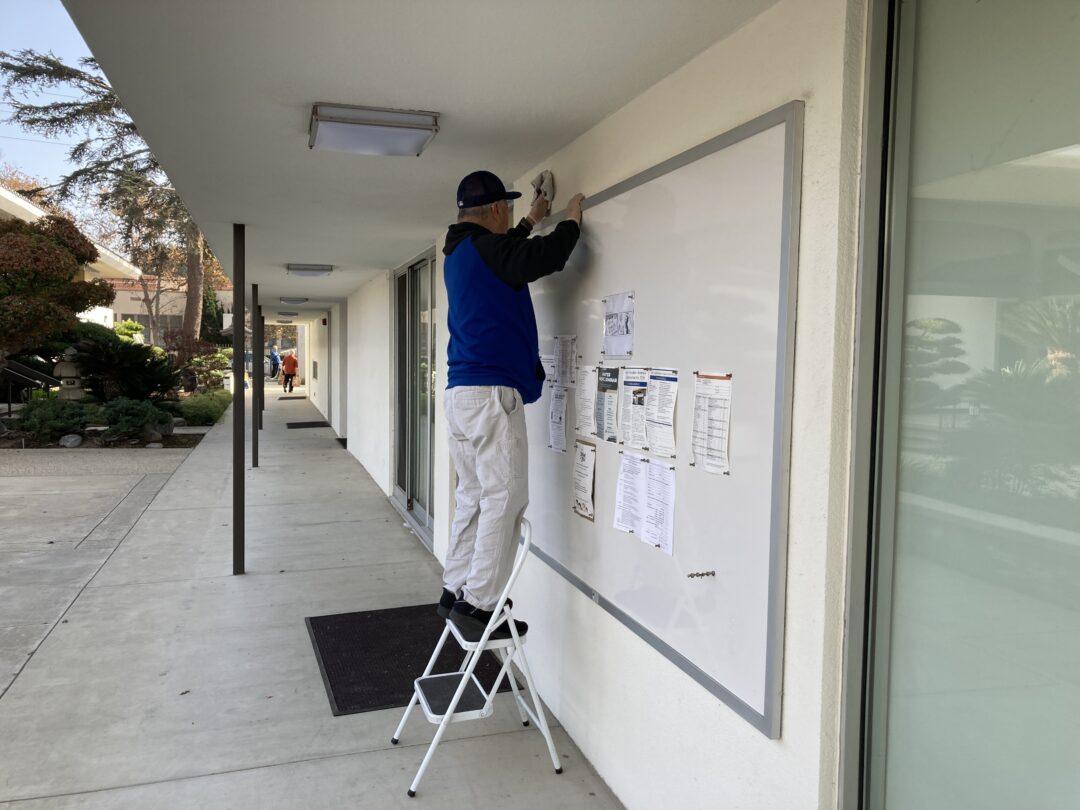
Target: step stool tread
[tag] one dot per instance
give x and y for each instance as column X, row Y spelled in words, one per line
column 438, row 690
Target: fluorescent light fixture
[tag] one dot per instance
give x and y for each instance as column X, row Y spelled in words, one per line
column 292, row 301
column 309, row 269
column 282, row 321
column 370, row 130
column 288, row 314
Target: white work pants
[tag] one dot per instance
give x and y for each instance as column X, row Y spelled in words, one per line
column 490, row 453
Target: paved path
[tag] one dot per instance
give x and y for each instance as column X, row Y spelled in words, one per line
column 174, row 684
column 62, row 513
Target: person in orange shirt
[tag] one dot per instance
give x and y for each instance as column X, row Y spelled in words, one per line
column 289, row 365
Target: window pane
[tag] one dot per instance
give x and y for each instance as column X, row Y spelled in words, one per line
column 984, row 671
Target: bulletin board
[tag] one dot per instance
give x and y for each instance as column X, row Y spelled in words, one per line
column 707, row 243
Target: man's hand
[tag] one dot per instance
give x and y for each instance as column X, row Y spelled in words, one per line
column 540, row 208
column 573, row 208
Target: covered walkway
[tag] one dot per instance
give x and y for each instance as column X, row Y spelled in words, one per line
column 172, row 683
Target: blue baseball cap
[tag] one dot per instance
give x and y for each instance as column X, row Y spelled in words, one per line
column 482, row 188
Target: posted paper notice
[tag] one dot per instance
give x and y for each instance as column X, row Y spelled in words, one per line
column 645, row 500
column 618, row 325
column 586, row 400
column 584, row 476
column 564, row 360
column 557, row 419
column 607, row 403
column 660, row 396
column 712, row 423
column 635, row 381
column 548, row 362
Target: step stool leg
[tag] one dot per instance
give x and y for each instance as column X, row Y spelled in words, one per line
column 518, row 699
column 427, row 671
column 523, row 663
column 466, row 676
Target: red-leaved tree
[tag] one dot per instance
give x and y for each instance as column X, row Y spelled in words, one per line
column 41, row 284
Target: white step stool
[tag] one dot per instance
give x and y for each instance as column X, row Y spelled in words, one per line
column 455, row 696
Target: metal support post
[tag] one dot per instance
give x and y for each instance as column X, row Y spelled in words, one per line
column 262, row 379
column 238, row 398
column 256, row 373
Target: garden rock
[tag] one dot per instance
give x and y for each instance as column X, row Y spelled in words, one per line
column 178, row 422
column 149, row 434
column 154, row 446
column 71, row 440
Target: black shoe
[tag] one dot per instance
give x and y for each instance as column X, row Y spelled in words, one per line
column 446, row 603
column 472, row 621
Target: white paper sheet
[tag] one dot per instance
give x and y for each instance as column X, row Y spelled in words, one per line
column 548, row 362
column 645, row 500
column 659, row 527
column 630, row 493
column 586, row 400
column 632, row 391
column 712, row 423
column 660, row 396
column 557, row 419
column 618, row 325
column 584, row 476
column 565, row 359
column 607, row 403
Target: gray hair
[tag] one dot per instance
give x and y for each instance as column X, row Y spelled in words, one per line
column 476, row 211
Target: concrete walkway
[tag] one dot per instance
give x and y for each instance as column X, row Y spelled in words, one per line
column 62, row 513
column 174, row 684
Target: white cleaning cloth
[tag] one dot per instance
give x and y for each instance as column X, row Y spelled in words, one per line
column 544, row 183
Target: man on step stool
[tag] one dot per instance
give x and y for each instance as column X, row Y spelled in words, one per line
column 494, row 370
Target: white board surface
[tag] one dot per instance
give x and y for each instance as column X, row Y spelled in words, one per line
column 707, row 249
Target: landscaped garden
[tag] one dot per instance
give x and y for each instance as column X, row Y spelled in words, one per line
column 111, row 389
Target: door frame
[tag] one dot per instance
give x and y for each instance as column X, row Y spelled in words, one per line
column 421, row 521
column 876, row 401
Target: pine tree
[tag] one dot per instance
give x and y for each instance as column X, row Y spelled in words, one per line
column 931, row 349
column 114, row 162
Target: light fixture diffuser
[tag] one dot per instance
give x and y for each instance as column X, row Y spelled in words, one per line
column 370, row 130
column 293, row 301
column 309, row 269
column 288, row 314
column 283, row 321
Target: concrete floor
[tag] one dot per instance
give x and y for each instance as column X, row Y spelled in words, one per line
column 62, row 513
column 171, row 683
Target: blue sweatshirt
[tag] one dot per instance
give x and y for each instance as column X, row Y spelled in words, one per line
column 493, row 338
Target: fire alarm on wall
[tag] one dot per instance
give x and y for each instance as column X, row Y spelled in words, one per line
column 324, row 321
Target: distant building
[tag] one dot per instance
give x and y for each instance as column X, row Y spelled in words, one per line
column 163, row 309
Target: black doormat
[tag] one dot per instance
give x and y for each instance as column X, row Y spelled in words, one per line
column 293, row 425
column 280, row 398
column 370, row 659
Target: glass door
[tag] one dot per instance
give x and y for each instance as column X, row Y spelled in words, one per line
column 974, row 669
column 415, row 398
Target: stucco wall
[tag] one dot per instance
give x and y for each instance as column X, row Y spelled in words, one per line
column 318, row 338
column 653, row 734
column 369, row 364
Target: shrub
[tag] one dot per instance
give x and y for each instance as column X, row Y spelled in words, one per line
column 53, row 348
column 210, row 369
column 203, row 409
column 127, row 329
column 48, row 419
column 128, row 417
column 112, row 369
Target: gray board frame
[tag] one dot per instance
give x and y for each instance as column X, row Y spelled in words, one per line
column 791, row 116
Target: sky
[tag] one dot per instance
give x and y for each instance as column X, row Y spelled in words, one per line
column 42, row 25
